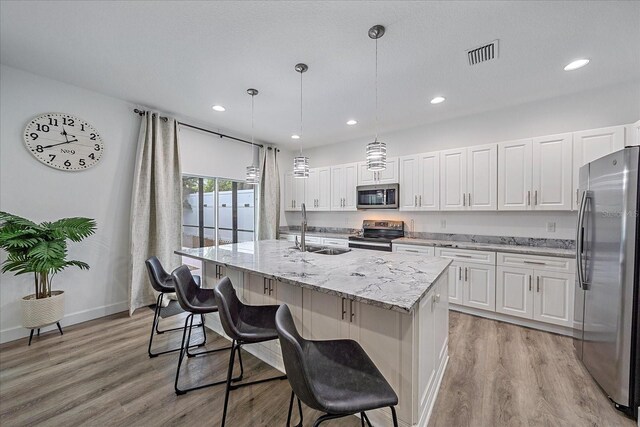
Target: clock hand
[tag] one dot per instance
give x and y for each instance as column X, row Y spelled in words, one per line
column 66, row 142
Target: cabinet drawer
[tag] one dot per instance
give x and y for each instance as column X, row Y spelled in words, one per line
column 425, row 250
column 466, row 255
column 342, row 243
column 562, row 265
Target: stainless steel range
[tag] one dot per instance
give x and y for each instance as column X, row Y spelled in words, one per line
column 377, row 235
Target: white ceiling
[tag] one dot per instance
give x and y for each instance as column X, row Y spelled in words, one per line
column 184, row 57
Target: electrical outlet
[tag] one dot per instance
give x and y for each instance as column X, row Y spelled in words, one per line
column 443, row 223
column 551, row 227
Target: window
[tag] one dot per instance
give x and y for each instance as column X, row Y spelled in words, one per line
column 216, row 217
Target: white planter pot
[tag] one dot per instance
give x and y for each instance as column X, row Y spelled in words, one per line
column 37, row 313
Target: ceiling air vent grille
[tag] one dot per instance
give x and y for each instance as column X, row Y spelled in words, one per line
column 483, row 53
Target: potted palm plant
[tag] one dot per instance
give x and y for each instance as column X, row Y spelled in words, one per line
column 41, row 250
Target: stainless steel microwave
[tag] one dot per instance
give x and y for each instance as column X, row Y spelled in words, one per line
column 378, row 196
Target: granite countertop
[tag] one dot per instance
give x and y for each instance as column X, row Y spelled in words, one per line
column 493, row 247
column 328, row 235
column 389, row 280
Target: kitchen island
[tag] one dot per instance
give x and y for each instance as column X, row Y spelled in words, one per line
column 395, row 305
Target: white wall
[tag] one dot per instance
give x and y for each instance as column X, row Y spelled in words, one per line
column 600, row 107
column 33, row 190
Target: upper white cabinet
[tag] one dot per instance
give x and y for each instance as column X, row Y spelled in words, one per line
column 343, row 187
column 294, row 192
column 590, row 145
column 420, row 182
column 388, row 176
column 318, row 190
column 633, row 134
column 468, row 178
column 535, row 174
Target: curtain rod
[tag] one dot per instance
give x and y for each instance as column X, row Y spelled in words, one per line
column 221, row 135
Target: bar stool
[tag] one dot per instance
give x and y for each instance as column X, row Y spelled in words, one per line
column 336, row 377
column 162, row 282
column 196, row 301
column 244, row 324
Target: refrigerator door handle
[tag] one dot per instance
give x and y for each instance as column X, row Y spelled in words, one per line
column 580, row 240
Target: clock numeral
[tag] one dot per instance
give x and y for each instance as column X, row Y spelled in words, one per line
column 82, row 127
column 81, row 162
column 67, row 163
column 51, row 157
column 96, row 147
column 34, row 135
column 92, row 156
column 53, row 122
column 39, row 148
column 42, row 128
column 93, row 136
column 68, row 122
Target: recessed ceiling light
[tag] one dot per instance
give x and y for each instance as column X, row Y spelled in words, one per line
column 352, row 122
column 578, row 63
column 437, row 100
column 218, row 108
column 295, row 136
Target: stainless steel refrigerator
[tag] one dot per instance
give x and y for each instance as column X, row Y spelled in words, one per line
column 607, row 294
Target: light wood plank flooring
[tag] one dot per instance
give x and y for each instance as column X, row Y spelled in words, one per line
column 99, row 374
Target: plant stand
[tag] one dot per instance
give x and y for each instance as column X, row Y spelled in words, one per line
column 31, row 334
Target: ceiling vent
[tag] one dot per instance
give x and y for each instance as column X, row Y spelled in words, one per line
column 483, row 53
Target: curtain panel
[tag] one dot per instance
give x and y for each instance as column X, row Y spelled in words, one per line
column 156, row 204
column 269, row 203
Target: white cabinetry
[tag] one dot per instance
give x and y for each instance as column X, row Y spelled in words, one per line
column 535, row 287
column 535, row 174
column 318, row 190
column 294, row 189
column 414, row 249
column 343, row 187
column 633, row 134
column 420, row 182
column 388, row 176
column 469, row 178
column 590, row 145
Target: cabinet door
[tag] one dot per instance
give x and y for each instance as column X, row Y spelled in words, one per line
column 453, row 180
column 428, row 182
column 552, row 168
column 553, row 298
column 311, row 193
column 514, row 291
column 323, row 192
column 482, row 177
column 632, row 135
column 479, row 289
column 455, row 283
column 514, row 175
column 409, row 183
column 390, row 175
column 255, row 290
column 590, row 145
column 441, row 321
column 324, row 316
column 288, row 191
column 284, row 293
column 299, row 185
column 350, row 182
column 365, row 176
column 337, row 187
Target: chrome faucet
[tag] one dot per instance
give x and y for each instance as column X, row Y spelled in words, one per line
column 303, row 229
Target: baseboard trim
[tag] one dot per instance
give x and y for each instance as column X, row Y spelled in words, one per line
column 17, row 332
column 532, row 324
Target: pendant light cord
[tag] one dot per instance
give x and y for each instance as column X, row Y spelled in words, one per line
column 252, row 149
column 376, row 90
column 301, row 113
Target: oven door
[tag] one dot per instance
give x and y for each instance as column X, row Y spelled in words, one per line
column 376, row 246
column 378, row 196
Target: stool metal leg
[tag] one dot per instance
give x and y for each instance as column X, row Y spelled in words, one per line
column 291, row 410
column 361, row 419
column 365, row 418
column 154, row 330
column 395, row 417
column 31, row 336
column 59, row 328
column 327, row 417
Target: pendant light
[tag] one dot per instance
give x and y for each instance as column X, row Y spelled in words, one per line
column 253, row 171
column 376, row 150
column 301, row 163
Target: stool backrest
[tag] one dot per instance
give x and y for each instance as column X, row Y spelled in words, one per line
column 185, row 286
column 293, row 356
column 229, row 307
column 157, row 275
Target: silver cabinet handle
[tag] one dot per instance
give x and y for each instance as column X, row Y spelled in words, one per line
column 464, row 199
column 411, row 250
column 469, row 199
column 270, row 286
column 352, row 313
column 537, row 283
column 529, row 198
column 577, row 197
column 420, row 200
column 343, row 310
column 462, row 256
column 264, row 285
column 534, row 262
column 415, row 201
column 459, row 273
column 529, row 283
column 466, row 275
column 535, row 197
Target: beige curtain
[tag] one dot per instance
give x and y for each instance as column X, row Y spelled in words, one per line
column 269, row 204
column 156, row 204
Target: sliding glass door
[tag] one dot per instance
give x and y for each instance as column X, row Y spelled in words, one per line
column 217, row 211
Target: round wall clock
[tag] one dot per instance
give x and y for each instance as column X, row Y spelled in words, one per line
column 63, row 141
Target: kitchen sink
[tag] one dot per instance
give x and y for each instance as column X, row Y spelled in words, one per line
column 325, row 250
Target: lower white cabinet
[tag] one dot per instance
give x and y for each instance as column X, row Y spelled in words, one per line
column 553, row 299
column 513, row 291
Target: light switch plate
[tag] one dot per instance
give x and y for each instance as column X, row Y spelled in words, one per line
column 551, row 227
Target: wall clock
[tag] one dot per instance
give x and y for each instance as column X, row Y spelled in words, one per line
column 63, row 141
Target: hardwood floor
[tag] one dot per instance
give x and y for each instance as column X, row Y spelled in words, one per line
column 99, row 374
column 505, row 375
